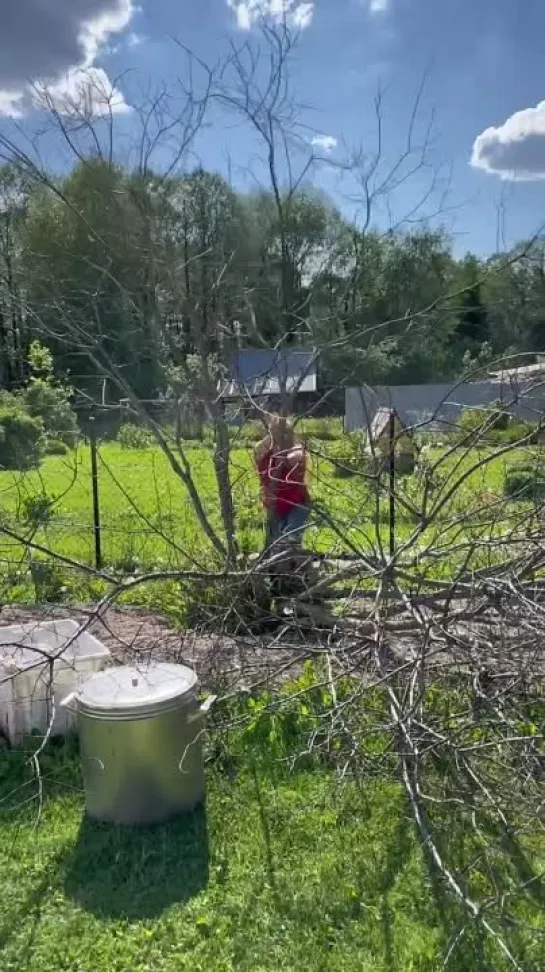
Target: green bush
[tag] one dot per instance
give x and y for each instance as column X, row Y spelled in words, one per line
column 134, row 437
column 48, row 399
column 516, row 432
column 21, row 436
column 55, row 447
column 525, row 481
column 487, row 421
column 48, row 581
column 49, row 402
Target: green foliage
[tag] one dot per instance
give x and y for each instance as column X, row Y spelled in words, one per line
column 494, row 426
column 499, row 416
column 48, row 399
column 148, row 524
column 525, row 481
column 36, row 510
column 20, row 435
column 484, row 421
column 324, row 429
column 108, row 251
column 134, row 437
column 348, row 456
column 49, row 402
column 55, row 447
column 40, row 361
column 289, row 867
column 49, row 581
column 518, row 431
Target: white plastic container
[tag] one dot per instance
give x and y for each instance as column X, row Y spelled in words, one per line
column 38, row 668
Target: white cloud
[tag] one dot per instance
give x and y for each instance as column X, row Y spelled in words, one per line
column 134, row 40
column 324, row 142
column 243, row 15
column 297, row 13
column 82, row 93
column 303, row 14
column 10, row 104
column 516, row 149
column 378, row 6
column 112, row 20
column 50, row 43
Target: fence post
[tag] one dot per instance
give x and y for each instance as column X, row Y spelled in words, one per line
column 96, row 498
column 392, row 472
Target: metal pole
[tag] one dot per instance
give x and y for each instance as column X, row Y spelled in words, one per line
column 96, row 498
column 392, row 470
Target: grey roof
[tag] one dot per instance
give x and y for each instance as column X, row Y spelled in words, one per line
column 257, row 373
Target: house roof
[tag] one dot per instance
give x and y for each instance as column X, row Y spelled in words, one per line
column 256, row 372
column 524, row 373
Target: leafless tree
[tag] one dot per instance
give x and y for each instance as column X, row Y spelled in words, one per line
column 424, row 622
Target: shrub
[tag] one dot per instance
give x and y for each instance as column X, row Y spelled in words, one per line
column 55, row 447
column 525, row 481
column 48, row 399
column 134, row 437
column 20, row 436
column 48, row 581
column 50, row 403
column 517, row 431
column 36, row 510
column 484, row 421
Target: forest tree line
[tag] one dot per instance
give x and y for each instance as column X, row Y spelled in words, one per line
column 140, row 277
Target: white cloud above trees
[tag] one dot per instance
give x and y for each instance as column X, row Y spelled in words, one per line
column 55, row 43
column 514, row 150
column 296, row 13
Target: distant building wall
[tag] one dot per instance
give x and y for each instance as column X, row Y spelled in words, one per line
column 440, row 405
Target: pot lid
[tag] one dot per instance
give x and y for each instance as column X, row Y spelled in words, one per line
column 136, row 688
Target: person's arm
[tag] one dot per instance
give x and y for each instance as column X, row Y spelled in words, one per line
column 261, row 451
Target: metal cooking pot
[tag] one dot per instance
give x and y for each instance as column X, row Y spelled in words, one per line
column 141, row 734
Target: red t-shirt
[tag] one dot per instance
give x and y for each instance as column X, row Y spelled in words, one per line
column 283, row 485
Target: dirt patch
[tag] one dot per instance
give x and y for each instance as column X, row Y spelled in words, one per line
column 227, row 665
column 223, row 663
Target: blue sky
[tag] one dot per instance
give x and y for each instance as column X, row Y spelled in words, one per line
column 481, row 61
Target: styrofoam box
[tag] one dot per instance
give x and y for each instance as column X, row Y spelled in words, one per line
column 28, row 694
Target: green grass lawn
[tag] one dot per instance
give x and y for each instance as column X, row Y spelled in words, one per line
column 148, row 521
column 283, row 872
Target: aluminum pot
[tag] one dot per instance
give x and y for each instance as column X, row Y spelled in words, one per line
column 141, row 734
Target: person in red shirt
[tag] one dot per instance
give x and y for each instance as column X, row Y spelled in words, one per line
column 281, row 463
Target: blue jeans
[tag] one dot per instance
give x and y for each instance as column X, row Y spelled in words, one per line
column 288, row 526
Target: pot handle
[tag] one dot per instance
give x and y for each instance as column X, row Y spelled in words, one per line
column 203, row 709
column 68, row 702
column 207, row 704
